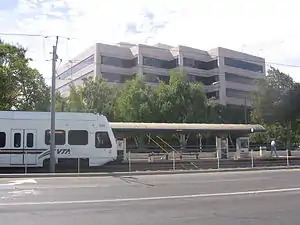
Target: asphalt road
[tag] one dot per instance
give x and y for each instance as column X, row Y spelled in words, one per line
column 263, row 198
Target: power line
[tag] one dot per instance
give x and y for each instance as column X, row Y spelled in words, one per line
column 22, row 34
column 33, row 35
column 69, row 38
column 211, row 55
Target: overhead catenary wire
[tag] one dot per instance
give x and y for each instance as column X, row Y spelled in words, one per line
column 212, row 55
column 23, row 34
column 33, row 35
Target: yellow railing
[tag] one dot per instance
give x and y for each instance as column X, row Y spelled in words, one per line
column 170, row 146
column 157, row 144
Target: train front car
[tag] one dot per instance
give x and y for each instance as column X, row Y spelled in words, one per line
column 83, row 138
column 105, row 146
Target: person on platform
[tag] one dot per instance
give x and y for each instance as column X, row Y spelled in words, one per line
column 273, row 148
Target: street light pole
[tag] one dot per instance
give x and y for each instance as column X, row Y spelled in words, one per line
column 52, row 133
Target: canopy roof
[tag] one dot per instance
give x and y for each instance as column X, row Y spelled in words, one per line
column 185, row 127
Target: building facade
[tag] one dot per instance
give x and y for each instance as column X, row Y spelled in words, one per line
column 226, row 74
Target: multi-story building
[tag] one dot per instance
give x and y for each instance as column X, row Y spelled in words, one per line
column 226, row 74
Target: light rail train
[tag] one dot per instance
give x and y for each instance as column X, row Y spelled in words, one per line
column 25, row 139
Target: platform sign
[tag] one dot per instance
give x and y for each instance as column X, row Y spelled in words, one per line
column 120, row 144
column 121, row 148
column 242, row 144
column 242, row 147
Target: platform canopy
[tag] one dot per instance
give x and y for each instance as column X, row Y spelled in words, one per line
column 186, row 127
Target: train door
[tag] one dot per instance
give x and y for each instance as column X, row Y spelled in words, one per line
column 17, row 147
column 22, row 142
column 29, row 145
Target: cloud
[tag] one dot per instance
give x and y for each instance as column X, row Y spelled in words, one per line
column 261, row 28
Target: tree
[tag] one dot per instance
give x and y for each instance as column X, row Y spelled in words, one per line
column 268, row 100
column 276, row 105
column 75, row 101
column 61, row 102
column 212, row 111
column 94, row 95
column 21, row 87
column 136, row 102
column 180, row 100
column 34, row 93
column 290, row 105
column 99, row 97
column 289, row 112
column 274, row 130
column 235, row 114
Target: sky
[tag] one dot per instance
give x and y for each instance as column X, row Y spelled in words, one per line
column 266, row 28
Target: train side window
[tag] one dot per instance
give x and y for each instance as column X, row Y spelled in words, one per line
column 78, row 137
column 2, row 139
column 29, row 140
column 60, row 137
column 102, row 140
column 17, row 140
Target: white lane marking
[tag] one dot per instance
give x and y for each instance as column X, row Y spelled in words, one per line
column 27, row 181
column 13, row 184
column 18, row 182
column 174, row 197
column 22, row 193
column 70, row 186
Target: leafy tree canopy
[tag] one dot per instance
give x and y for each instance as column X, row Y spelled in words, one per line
column 21, row 87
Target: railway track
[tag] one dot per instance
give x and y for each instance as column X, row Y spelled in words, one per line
column 165, row 165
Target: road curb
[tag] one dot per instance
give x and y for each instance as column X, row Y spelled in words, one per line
column 137, row 173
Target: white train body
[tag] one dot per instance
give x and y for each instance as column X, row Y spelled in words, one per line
column 25, row 138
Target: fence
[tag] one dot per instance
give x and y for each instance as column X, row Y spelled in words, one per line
column 179, row 161
column 194, row 148
column 197, row 161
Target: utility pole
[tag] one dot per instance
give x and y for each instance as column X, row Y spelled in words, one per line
column 52, row 134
